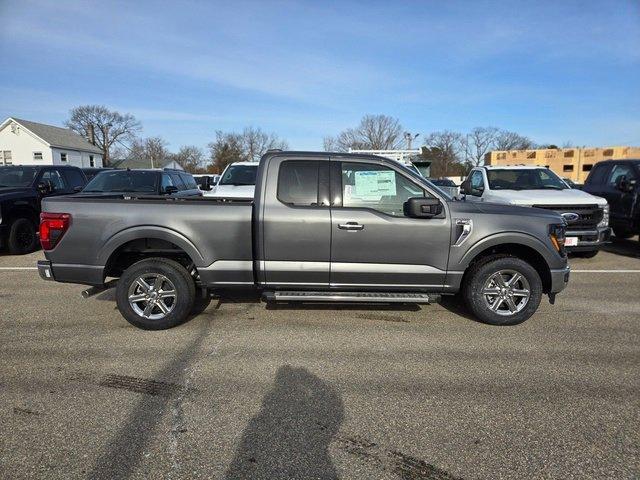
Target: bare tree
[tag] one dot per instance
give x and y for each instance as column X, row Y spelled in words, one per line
column 250, row 145
column 106, row 127
column 443, row 150
column 506, row 140
column 478, row 143
column 375, row 132
column 255, row 143
column 152, row 149
column 190, row 157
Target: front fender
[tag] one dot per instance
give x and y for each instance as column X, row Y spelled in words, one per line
column 151, row 232
column 550, row 256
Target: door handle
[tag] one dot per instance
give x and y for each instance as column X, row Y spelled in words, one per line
column 351, row 226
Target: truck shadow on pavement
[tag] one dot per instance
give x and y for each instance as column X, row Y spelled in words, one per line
column 290, row 435
column 626, row 248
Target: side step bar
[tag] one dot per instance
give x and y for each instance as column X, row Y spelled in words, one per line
column 360, row 297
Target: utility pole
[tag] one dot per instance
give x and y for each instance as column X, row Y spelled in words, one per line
column 410, row 137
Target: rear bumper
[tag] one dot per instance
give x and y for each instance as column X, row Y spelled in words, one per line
column 81, row 274
column 559, row 279
column 589, row 239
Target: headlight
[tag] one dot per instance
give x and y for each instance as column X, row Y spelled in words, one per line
column 557, row 236
column 605, row 217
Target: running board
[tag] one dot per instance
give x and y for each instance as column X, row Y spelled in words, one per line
column 360, row 297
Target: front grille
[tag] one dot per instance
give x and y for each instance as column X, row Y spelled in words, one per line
column 589, row 215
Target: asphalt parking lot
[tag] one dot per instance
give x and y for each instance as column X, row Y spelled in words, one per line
column 243, row 391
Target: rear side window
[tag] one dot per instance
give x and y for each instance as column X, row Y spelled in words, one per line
column 74, row 178
column 597, row 175
column 298, row 183
column 189, row 181
column 55, row 179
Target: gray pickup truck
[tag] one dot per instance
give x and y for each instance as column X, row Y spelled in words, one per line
column 322, row 227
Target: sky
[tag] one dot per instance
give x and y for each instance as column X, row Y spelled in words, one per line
column 557, row 71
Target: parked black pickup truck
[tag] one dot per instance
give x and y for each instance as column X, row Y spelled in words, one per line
column 21, row 190
column 322, row 227
column 619, row 182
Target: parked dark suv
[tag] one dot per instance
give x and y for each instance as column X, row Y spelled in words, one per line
column 21, row 189
column 619, row 182
column 143, row 182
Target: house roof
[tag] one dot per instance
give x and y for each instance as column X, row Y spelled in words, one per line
column 58, row 136
column 144, row 163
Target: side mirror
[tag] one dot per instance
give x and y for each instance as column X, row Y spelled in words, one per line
column 78, row 189
column 170, row 190
column 422, row 207
column 206, row 183
column 465, row 188
column 45, row 188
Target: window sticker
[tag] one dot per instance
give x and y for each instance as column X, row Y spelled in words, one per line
column 373, row 185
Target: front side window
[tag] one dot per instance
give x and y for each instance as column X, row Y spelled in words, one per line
column 239, row 175
column 177, row 181
column 55, row 179
column 477, row 182
column 298, row 183
column 377, row 187
column 189, row 181
column 167, row 181
column 618, row 171
column 524, row 179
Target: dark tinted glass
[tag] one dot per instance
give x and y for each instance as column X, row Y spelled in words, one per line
column 123, row 181
column 298, row 183
column 597, row 175
column 17, row 176
column 177, row 181
column 189, row 181
column 74, row 178
column 239, row 175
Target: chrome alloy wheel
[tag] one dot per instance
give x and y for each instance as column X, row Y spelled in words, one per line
column 506, row 292
column 152, row 296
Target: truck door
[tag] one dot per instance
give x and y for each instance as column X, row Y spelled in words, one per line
column 373, row 244
column 620, row 202
column 296, row 223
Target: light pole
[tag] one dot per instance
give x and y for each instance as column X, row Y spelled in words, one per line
column 410, row 137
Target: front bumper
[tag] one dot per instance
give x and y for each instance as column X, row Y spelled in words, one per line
column 559, row 279
column 589, row 238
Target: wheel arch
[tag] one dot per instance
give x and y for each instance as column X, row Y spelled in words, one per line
column 129, row 246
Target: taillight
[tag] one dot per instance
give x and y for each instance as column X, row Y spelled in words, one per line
column 52, row 228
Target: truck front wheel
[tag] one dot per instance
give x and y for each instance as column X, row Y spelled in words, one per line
column 502, row 290
column 155, row 294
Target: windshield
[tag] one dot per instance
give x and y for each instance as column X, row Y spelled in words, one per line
column 524, row 179
column 17, row 176
column 123, row 181
column 239, row 175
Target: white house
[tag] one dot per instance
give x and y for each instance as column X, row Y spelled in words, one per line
column 30, row 143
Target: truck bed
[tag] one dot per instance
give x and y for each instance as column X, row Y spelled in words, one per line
column 209, row 230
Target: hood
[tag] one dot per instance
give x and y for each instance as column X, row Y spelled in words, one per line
column 12, row 192
column 231, row 191
column 569, row 196
column 488, row 208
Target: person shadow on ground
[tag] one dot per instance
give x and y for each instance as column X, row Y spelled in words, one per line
column 290, row 435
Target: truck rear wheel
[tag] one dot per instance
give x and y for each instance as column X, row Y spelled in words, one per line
column 22, row 237
column 155, row 294
column 502, row 290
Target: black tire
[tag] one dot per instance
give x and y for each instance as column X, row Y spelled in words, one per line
column 22, row 237
column 176, row 276
column 482, row 271
column 588, row 254
column 624, row 234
